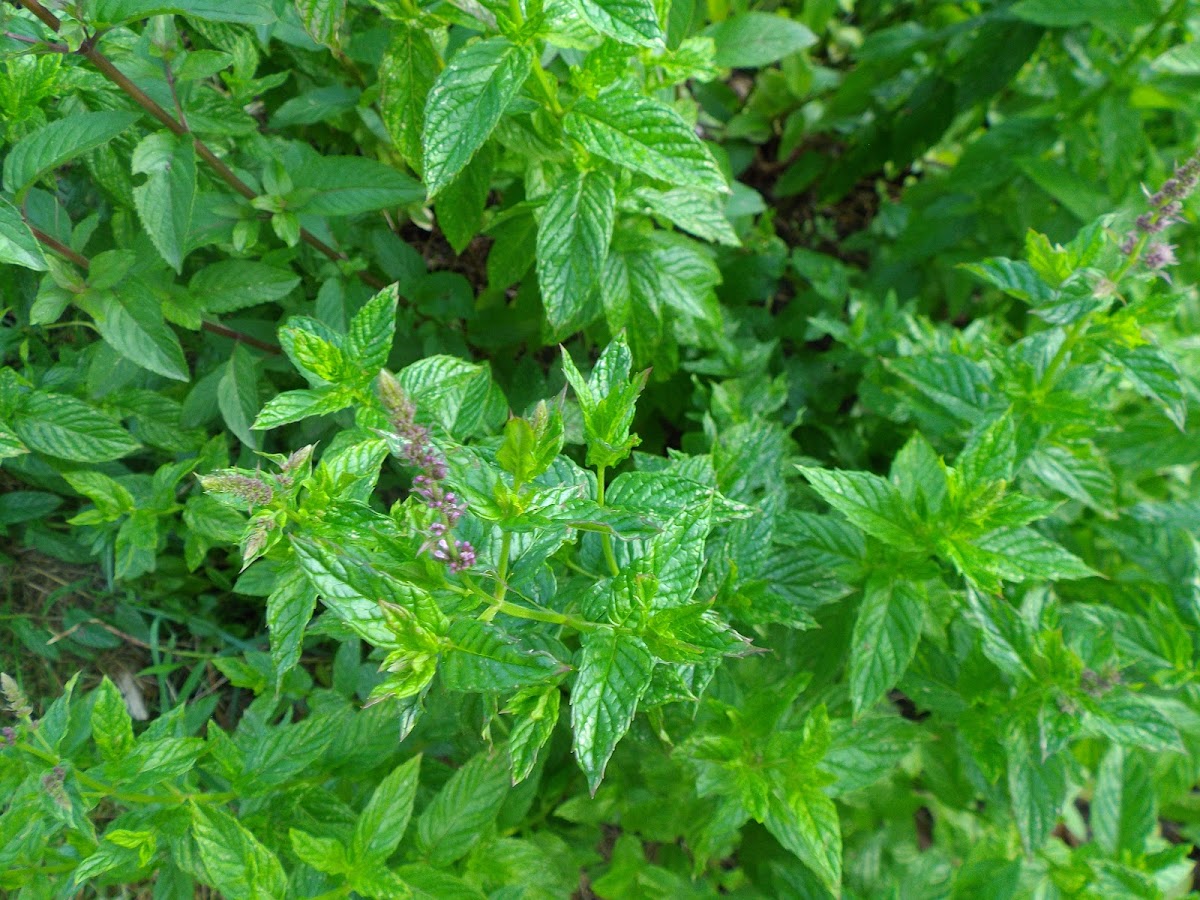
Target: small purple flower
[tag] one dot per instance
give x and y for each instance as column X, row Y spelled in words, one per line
column 1166, row 204
column 1159, row 255
column 8, row 735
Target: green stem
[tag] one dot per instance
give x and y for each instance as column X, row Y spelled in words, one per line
column 549, row 87
column 502, row 569
column 523, row 612
column 605, row 539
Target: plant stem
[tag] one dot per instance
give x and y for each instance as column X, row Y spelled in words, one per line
column 502, row 569
column 214, row 327
column 523, row 612
column 89, row 52
column 605, row 539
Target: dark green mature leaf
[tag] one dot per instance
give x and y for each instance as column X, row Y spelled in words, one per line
column 698, row 212
column 885, row 638
column 237, row 395
column 535, row 713
column 629, row 21
column 164, row 202
column 234, row 860
column 466, row 102
column 614, row 672
column 462, row 812
column 232, row 284
column 18, row 246
column 1037, row 788
column 406, row 76
column 289, row 608
column 382, row 824
column 67, row 428
column 641, row 134
column 131, row 322
column 460, row 206
column 573, row 237
column 59, row 142
column 1125, row 13
column 112, row 728
column 348, row 185
column 753, row 39
column 479, row 656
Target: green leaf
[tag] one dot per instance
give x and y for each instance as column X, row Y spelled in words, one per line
column 131, row 322
column 481, row 657
column 373, row 329
column 885, row 638
column 322, row 19
column 1037, row 788
column 406, row 76
column 112, row 728
column 871, row 503
column 230, row 285
column 164, row 201
column 348, row 185
column 325, row 854
column 116, row 12
column 234, row 861
column 460, row 814
column 18, row 246
column 864, row 751
column 574, row 232
column 1014, row 277
column 1127, row 14
column 1079, row 470
column 1123, row 811
column 67, row 428
column 1007, row 641
column 753, row 39
column 382, row 824
column 59, row 142
column 1153, row 375
column 629, row 21
column 460, row 206
column 237, row 395
column 990, row 454
column 697, row 212
column 806, row 823
column 1021, row 554
column 641, row 134
column 614, row 672
column 290, row 606
column 465, row 104
column 535, row 713
column 292, row 406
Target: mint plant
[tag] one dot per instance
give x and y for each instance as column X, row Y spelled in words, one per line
column 592, row 449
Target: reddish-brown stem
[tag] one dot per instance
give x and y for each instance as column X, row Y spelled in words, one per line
column 142, row 99
column 214, row 327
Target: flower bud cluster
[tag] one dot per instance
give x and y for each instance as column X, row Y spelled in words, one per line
column 420, row 453
column 252, row 491
column 1166, row 204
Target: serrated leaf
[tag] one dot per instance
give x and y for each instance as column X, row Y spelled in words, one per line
column 373, row 329
column 885, row 638
column 59, row 142
column 18, row 246
column 535, row 713
column 466, row 102
column 615, row 669
column 381, row 825
column 230, row 285
column 348, row 185
column 237, row 395
column 116, row 12
column 292, row 406
column 112, row 727
column 406, row 76
column 460, row 814
column 290, row 606
column 629, row 21
column 322, row 19
column 574, row 232
column 697, row 212
column 66, row 428
column 233, row 859
column 1153, row 375
column 164, row 203
column 1036, row 788
column 1022, row 554
column 868, row 501
column 481, row 657
column 1078, row 470
column 1006, row 638
column 806, row 823
column 131, row 322
column 1014, row 277
column 1123, row 811
column 641, row 134
column 460, row 206
column 325, row 854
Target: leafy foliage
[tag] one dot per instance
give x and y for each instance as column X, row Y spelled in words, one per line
column 599, row 448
